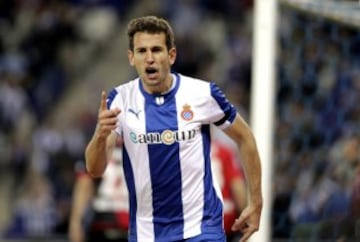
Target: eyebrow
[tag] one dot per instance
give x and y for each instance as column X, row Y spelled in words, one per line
column 156, row 47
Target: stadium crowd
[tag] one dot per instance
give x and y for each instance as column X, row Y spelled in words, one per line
column 317, row 155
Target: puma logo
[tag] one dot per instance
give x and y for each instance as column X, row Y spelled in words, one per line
column 134, row 112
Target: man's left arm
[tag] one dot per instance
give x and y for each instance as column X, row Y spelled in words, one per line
column 249, row 220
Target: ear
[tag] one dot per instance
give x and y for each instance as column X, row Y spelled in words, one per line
column 131, row 57
column 172, row 55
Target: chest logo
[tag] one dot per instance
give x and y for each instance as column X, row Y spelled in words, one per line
column 187, row 114
column 136, row 113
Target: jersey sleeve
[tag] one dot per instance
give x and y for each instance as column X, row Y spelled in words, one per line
column 227, row 112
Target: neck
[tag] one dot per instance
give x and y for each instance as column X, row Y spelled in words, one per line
column 168, row 84
column 162, row 88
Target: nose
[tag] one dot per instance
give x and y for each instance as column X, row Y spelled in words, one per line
column 149, row 58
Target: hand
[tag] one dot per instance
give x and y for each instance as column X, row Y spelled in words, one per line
column 248, row 222
column 107, row 119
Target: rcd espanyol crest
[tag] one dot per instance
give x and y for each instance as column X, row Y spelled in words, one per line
column 187, row 114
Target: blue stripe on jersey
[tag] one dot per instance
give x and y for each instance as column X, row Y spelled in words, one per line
column 110, row 98
column 165, row 171
column 212, row 218
column 229, row 109
column 130, row 182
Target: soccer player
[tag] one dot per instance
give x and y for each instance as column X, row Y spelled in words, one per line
column 100, row 209
column 164, row 119
column 229, row 175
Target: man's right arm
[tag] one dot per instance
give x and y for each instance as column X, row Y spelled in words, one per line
column 103, row 141
column 96, row 154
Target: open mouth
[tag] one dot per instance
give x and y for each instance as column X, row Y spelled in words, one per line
column 151, row 72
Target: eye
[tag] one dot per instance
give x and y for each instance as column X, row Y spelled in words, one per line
column 156, row 49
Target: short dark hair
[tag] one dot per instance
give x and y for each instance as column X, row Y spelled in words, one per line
column 152, row 25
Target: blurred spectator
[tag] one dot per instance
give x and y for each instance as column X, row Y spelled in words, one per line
column 228, row 173
column 100, row 207
column 355, row 197
column 13, row 99
column 349, row 228
column 34, row 214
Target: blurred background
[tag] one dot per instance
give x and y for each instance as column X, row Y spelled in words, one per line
column 57, row 55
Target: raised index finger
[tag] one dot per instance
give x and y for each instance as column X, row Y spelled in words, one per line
column 103, row 105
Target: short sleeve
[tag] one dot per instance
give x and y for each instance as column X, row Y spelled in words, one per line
column 229, row 111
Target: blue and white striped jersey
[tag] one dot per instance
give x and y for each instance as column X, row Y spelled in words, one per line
column 167, row 158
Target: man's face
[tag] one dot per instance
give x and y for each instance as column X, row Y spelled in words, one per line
column 152, row 60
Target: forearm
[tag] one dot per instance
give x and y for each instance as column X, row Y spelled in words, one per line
column 238, row 189
column 82, row 194
column 240, row 132
column 96, row 156
column 252, row 169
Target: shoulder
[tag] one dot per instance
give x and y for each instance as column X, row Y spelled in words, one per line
column 193, row 82
column 123, row 90
column 190, row 86
column 198, row 85
column 125, row 87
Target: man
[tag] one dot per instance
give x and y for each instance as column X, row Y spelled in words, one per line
column 164, row 119
column 100, row 210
